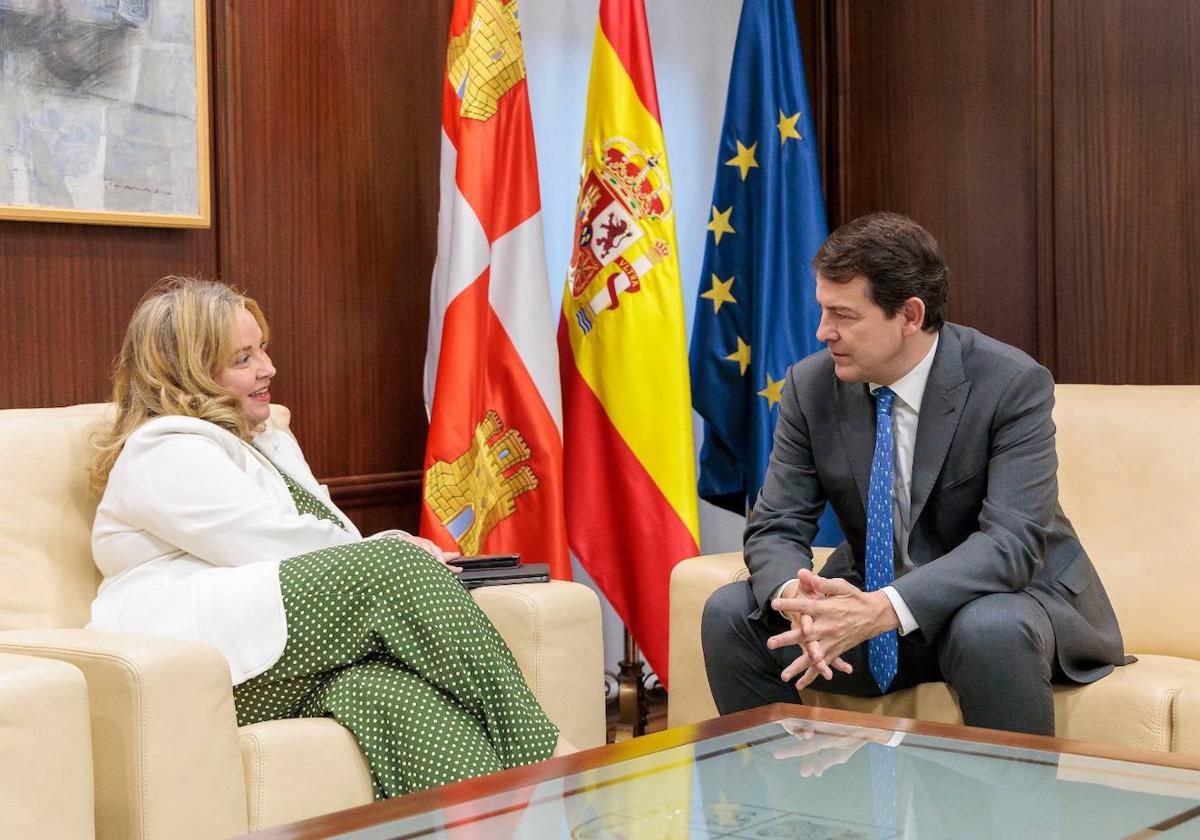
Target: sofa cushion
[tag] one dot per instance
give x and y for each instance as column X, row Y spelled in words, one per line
column 1134, row 706
column 46, row 517
column 1127, row 462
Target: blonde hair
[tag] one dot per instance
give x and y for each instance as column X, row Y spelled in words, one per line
column 180, row 336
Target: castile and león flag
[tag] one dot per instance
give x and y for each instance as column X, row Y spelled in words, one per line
column 493, row 462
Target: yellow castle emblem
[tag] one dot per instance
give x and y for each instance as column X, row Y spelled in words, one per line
column 478, row 489
column 486, row 60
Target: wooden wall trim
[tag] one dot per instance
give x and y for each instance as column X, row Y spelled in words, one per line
column 1043, row 188
column 820, row 88
column 372, row 489
column 839, row 109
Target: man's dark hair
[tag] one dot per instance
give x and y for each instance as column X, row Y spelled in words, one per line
column 899, row 259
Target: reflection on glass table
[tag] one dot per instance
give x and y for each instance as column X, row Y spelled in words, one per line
column 797, row 779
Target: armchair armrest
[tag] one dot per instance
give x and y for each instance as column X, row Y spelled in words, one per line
column 164, row 732
column 45, row 742
column 553, row 630
column 692, row 581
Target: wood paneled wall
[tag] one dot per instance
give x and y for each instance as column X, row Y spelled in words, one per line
column 920, row 134
column 1049, row 145
column 66, row 293
column 1125, row 97
column 326, row 142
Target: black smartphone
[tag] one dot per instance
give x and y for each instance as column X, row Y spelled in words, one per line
column 487, row 561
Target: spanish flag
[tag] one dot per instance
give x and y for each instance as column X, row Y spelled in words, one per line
column 627, row 425
column 493, row 459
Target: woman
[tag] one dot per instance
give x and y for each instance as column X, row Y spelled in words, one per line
column 212, row 527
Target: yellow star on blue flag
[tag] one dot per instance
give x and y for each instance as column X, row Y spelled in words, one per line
column 773, row 392
column 741, row 355
column 787, row 127
column 744, row 159
column 720, row 223
column 719, row 293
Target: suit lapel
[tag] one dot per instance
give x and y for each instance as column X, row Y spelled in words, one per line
column 856, row 422
column 941, row 409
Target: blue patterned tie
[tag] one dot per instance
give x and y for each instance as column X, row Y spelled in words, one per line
column 883, row 650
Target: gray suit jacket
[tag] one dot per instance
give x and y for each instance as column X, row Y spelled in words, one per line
column 984, row 508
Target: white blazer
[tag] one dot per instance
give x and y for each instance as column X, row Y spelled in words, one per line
column 190, row 533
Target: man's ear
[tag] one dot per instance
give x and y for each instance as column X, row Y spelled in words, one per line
column 913, row 313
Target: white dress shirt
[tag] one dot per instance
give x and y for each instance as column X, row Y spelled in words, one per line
column 906, row 412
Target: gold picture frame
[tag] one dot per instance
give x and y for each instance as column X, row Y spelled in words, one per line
column 112, row 129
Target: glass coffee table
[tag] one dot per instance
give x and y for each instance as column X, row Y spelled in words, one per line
column 800, row 773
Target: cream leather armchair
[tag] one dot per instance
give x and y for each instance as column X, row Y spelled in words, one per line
column 45, row 750
column 1129, row 457
column 169, row 759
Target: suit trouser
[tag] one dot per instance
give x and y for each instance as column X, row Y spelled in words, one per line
column 997, row 652
column 383, row 638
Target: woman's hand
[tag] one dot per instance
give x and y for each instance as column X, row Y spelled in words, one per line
column 423, row 544
column 432, row 547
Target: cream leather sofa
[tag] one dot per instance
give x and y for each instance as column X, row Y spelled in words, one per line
column 169, row 759
column 45, row 750
column 1129, row 461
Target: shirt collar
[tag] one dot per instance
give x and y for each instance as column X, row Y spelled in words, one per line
column 910, row 387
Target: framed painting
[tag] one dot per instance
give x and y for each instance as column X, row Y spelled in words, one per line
column 104, row 112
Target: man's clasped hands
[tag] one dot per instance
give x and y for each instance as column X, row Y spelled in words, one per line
column 829, row 616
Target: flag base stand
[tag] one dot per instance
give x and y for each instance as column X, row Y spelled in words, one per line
column 631, row 693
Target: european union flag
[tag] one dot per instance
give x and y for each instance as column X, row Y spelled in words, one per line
column 757, row 312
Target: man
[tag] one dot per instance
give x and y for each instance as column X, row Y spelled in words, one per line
column 935, row 447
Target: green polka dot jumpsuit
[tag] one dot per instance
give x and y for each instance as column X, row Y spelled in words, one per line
column 384, row 639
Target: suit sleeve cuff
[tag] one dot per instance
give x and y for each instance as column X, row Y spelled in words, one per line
column 907, row 622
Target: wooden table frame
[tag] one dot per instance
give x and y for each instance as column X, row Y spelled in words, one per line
column 401, row 807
